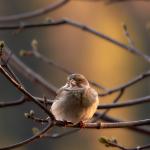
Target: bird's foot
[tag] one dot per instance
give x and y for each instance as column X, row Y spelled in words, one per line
column 81, row 124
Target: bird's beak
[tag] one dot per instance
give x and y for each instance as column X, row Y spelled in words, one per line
column 72, row 82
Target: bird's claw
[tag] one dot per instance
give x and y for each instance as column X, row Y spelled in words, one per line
column 81, row 124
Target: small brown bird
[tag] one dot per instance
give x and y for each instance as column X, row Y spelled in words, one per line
column 76, row 101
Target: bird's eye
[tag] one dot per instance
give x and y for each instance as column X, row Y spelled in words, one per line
column 79, row 80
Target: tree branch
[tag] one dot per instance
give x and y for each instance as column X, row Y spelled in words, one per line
column 127, row 103
column 25, row 92
column 114, row 143
column 80, row 26
column 29, row 73
column 35, row 13
column 107, row 110
column 133, row 102
column 133, row 128
column 128, row 84
column 31, row 139
column 35, row 52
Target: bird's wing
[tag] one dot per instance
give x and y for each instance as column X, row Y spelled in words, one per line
column 89, row 97
column 60, row 92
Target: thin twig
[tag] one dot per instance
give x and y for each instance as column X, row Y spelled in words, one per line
column 28, row 73
column 114, row 143
column 22, row 100
column 25, row 92
column 31, row 139
column 107, row 110
column 50, row 62
column 128, row 84
column 126, row 32
column 117, row 1
column 53, row 63
column 68, row 71
column 96, row 125
column 127, row 103
column 60, row 135
column 102, row 125
column 36, row 119
column 12, row 103
column 80, row 26
column 35, row 13
column 133, row 128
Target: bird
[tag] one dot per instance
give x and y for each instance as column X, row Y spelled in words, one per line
column 76, row 101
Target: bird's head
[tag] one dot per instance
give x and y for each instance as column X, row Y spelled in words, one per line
column 78, row 80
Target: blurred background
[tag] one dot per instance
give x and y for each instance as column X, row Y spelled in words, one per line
column 80, row 52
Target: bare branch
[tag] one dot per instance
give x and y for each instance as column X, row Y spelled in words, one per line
column 49, row 62
column 107, row 110
column 128, row 84
column 53, row 63
column 133, row 128
column 128, row 103
column 31, row 139
column 126, row 32
column 35, row 13
column 86, row 125
column 13, row 103
column 117, row 1
column 102, row 125
column 30, row 74
column 80, row 26
column 36, row 119
column 60, row 135
column 22, row 100
column 114, row 143
column 25, row 92
column 96, row 125
column 68, row 71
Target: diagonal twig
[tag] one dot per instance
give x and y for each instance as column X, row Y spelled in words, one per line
column 127, row 103
column 25, row 92
column 31, row 139
column 29, row 73
column 35, row 13
column 81, row 26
